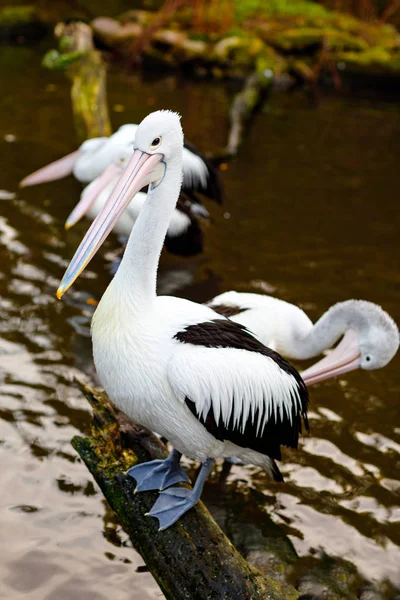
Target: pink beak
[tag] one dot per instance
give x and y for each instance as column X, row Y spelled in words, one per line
column 344, row 358
column 139, row 172
column 91, row 193
column 55, row 170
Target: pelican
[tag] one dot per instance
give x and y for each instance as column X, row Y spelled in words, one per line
column 200, row 380
column 370, row 336
column 184, row 236
column 96, row 154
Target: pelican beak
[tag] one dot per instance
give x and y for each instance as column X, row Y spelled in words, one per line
column 55, row 170
column 141, row 170
column 91, row 193
column 344, row 358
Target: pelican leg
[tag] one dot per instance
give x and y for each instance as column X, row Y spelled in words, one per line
column 158, row 474
column 175, row 502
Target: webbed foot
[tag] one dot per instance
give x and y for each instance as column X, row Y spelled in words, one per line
column 171, row 505
column 175, row 502
column 158, row 474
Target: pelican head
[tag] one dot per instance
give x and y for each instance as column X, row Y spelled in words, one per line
column 370, row 341
column 159, row 138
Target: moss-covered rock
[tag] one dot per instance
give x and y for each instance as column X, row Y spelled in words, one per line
column 277, row 36
column 115, row 34
column 247, row 9
column 21, row 24
column 375, row 61
column 306, row 38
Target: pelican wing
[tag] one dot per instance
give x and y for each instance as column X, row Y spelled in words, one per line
column 238, row 388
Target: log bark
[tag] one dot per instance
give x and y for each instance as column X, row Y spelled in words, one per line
column 85, row 68
column 193, row 559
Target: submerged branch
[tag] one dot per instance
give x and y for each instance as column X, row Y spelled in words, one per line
column 243, row 107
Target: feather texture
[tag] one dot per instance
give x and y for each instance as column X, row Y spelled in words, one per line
column 257, row 403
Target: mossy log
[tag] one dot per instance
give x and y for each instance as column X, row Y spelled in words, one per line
column 85, row 68
column 193, row 558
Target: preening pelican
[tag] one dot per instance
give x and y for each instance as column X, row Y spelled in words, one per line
column 184, row 236
column 370, row 336
column 200, row 380
column 94, row 155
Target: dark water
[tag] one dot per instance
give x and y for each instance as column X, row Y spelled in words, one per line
column 311, row 213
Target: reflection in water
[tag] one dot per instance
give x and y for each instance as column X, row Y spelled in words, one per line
column 312, row 218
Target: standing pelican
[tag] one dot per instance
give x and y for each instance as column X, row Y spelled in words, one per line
column 202, row 381
column 370, row 336
column 95, row 155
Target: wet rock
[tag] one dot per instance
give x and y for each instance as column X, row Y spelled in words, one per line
column 308, row 38
column 113, row 34
column 21, row 25
column 168, row 38
column 193, row 49
column 144, row 18
column 106, row 28
column 373, row 61
column 224, row 47
column 275, row 42
column 181, row 49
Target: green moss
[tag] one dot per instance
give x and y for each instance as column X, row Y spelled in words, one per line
column 303, row 38
column 56, row 61
column 296, row 39
column 376, row 59
column 268, row 62
column 18, row 15
column 257, row 8
column 263, row 36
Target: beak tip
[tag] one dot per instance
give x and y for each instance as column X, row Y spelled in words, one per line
column 67, row 226
column 59, row 293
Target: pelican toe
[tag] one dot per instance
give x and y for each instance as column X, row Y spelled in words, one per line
column 157, row 475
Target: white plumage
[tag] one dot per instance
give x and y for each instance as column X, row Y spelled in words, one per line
column 95, row 154
column 371, row 336
column 175, row 366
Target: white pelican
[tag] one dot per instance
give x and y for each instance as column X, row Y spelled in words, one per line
column 200, row 380
column 94, row 155
column 370, row 336
column 184, row 236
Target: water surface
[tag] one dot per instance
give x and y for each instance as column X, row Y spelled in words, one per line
column 311, row 214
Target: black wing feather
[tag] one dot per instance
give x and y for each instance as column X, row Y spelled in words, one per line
column 227, row 310
column 223, row 333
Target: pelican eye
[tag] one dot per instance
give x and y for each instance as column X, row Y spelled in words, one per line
column 156, row 143
column 368, row 358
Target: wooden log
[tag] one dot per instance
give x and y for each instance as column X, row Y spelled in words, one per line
column 85, row 68
column 193, row 558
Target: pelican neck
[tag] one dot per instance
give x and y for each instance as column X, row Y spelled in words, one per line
column 137, row 273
